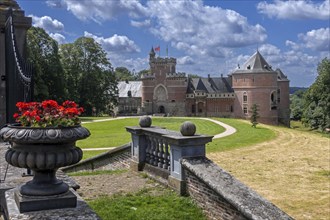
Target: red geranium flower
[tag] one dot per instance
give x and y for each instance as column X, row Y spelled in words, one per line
column 48, row 114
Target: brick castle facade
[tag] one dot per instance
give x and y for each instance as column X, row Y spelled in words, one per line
column 165, row 91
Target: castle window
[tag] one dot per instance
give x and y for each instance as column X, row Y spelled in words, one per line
column 245, row 98
column 278, row 95
column 193, row 108
column 231, row 109
column 273, row 99
column 245, row 110
column 129, row 93
column 173, row 100
column 147, row 100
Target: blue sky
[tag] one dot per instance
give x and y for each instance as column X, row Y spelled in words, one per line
column 206, row 37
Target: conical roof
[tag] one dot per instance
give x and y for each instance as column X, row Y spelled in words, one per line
column 256, row 62
column 152, row 51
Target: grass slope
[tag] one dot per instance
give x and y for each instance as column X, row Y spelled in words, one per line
column 245, row 136
column 291, row 170
column 143, row 205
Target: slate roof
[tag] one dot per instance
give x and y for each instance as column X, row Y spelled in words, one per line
column 281, row 76
column 210, row 85
column 133, row 86
column 256, row 63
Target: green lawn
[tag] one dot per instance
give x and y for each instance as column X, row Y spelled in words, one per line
column 142, row 205
column 113, row 133
column 246, row 135
column 97, row 172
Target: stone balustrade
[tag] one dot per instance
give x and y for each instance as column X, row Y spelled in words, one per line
column 160, row 150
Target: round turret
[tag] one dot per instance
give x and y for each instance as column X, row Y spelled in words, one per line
column 9, row 4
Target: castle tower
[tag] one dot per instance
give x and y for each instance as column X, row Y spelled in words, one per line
column 163, row 90
column 21, row 25
column 257, row 83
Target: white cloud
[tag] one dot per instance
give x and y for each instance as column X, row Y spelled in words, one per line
column 296, row 9
column 318, row 40
column 115, row 44
column 101, row 10
column 47, row 23
column 58, row 37
column 293, row 45
column 186, row 60
column 133, row 64
column 145, row 23
column 201, row 29
column 55, row 3
column 269, row 49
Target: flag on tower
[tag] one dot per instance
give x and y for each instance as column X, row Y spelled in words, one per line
column 157, row 48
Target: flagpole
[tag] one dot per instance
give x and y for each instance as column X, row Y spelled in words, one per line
column 167, row 50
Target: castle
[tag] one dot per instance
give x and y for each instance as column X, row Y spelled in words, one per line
column 165, row 91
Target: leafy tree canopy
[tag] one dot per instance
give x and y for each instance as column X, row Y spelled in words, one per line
column 90, row 77
column 297, row 104
column 317, row 99
column 42, row 52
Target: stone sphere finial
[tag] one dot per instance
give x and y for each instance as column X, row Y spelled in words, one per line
column 145, row 121
column 188, row 128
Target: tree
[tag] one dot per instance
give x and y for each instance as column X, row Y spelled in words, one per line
column 297, row 104
column 89, row 75
column 123, row 74
column 42, row 52
column 142, row 72
column 254, row 115
column 317, row 99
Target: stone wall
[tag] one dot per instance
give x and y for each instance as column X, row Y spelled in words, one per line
column 117, row 158
column 222, row 196
column 214, row 206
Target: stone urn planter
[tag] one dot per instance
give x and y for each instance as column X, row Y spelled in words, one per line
column 43, row 150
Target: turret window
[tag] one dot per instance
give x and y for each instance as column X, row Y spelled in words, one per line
column 245, row 98
column 245, row 110
column 273, row 99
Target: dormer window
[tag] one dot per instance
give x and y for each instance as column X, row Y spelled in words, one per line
column 129, row 93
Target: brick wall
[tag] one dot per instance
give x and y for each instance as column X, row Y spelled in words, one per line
column 214, row 206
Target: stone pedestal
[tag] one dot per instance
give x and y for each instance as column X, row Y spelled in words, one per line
column 38, row 203
column 81, row 211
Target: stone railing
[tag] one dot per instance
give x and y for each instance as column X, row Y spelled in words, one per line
column 179, row 160
column 160, row 151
